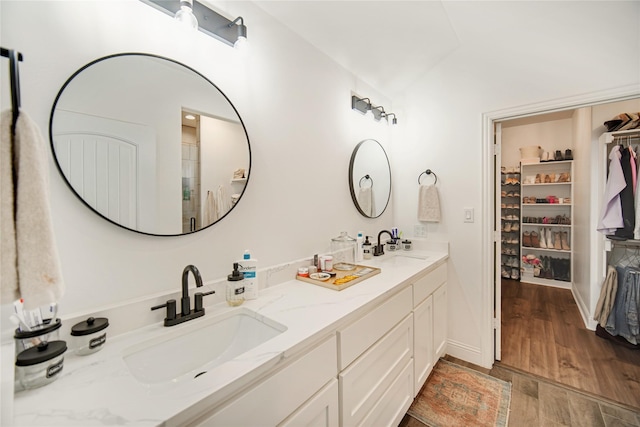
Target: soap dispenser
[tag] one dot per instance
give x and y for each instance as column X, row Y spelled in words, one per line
column 235, row 287
column 366, row 248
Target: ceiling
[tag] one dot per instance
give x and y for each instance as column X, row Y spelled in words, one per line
column 387, row 44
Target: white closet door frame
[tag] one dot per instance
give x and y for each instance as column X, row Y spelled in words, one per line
column 497, row 273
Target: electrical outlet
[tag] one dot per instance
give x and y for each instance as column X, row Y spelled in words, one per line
column 419, row 230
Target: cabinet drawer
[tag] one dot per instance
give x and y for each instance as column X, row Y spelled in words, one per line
column 319, row 411
column 428, row 284
column 275, row 398
column 359, row 336
column 364, row 382
column 394, row 403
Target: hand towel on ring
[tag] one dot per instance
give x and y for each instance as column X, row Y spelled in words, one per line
column 428, row 203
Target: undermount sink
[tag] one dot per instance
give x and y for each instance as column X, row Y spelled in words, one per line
column 401, row 258
column 194, row 348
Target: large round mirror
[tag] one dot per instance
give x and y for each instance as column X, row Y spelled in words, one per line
column 150, row 144
column 370, row 178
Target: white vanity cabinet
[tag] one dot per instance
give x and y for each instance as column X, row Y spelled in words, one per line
column 301, row 393
column 376, row 362
column 430, row 323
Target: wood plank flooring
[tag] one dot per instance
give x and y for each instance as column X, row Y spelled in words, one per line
column 543, row 334
column 537, row 402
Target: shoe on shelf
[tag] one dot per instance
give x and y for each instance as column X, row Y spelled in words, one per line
column 545, row 157
column 507, row 227
column 543, row 240
column 557, row 240
column 558, row 156
column 548, row 240
column 505, row 273
column 568, row 155
column 515, row 273
column 535, row 240
column 565, row 241
column 526, row 239
column 538, row 179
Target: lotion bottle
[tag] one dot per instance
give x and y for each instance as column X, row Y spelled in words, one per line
column 248, row 267
column 359, row 241
column 235, row 287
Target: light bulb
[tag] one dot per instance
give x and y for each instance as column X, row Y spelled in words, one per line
column 241, row 44
column 185, row 14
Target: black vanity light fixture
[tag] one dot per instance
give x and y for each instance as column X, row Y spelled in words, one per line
column 231, row 32
column 364, row 106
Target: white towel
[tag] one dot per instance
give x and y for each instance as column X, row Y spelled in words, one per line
column 209, row 215
column 365, row 201
column 29, row 266
column 428, row 203
column 222, row 203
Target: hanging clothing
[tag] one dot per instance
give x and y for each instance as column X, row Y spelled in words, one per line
column 607, row 296
column 626, row 198
column 29, row 264
column 611, row 212
column 623, row 319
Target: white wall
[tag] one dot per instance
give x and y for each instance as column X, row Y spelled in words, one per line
column 294, row 101
column 506, row 60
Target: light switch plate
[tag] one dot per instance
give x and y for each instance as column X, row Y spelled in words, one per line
column 468, row 215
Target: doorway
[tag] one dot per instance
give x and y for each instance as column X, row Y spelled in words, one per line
column 527, row 300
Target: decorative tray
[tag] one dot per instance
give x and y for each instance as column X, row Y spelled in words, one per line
column 344, row 277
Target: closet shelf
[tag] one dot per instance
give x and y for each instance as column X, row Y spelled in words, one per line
column 546, row 204
column 561, row 251
column 546, row 184
column 609, row 137
column 535, row 224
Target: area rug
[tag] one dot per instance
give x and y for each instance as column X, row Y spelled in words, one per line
column 457, row 396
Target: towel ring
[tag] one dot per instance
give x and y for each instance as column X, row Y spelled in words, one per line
column 365, row 177
column 428, row 172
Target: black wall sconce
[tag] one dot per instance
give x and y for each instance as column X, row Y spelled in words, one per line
column 231, row 32
column 364, row 106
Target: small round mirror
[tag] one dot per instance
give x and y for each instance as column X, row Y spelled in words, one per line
column 370, row 178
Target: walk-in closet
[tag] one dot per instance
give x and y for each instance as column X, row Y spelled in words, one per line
column 570, row 294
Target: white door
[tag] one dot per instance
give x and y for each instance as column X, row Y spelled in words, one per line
column 110, row 164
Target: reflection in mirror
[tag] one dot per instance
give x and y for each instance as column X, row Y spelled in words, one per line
column 370, row 178
column 127, row 149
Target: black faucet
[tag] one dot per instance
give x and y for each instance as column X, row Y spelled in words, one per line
column 379, row 248
column 185, row 302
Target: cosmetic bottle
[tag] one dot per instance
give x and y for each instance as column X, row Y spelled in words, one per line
column 248, row 267
column 366, row 248
column 235, row 287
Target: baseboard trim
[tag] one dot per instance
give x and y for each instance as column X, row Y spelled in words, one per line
column 465, row 352
column 584, row 312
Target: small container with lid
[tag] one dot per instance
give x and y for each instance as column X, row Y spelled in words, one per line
column 89, row 336
column 343, row 248
column 39, row 365
column 28, row 339
column 406, row 245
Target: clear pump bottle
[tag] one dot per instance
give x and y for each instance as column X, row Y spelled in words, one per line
column 235, row 287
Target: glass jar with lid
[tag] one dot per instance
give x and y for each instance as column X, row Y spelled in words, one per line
column 343, row 248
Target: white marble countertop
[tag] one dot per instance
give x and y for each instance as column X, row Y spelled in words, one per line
column 98, row 389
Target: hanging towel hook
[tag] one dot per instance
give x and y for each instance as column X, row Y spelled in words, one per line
column 14, row 58
column 366, row 177
column 428, row 172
